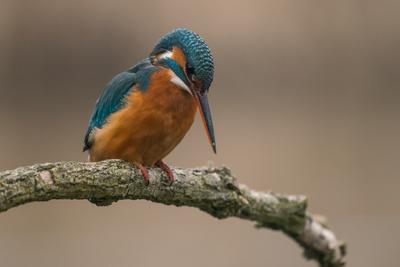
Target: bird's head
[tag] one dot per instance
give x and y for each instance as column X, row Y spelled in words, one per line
column 188, row 56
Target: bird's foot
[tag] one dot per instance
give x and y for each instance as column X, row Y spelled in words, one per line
column 144, row 172
column 166, row 169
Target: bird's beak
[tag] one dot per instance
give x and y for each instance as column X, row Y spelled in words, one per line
column 205, row 112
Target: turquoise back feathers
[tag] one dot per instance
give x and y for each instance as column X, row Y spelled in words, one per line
column 198, row 55
column 113, row 96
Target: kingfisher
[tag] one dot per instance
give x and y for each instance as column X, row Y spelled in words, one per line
column 146, row 110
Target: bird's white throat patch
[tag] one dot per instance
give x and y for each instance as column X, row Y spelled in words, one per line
column 178, row 81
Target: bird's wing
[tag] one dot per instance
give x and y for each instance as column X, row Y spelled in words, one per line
column 113, row 96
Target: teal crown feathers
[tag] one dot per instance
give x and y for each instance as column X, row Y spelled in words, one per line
column 197, row 53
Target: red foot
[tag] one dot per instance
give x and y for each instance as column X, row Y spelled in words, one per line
column 166, row 169
column 144, row 172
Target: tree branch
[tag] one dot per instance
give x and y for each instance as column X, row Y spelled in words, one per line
column 212, row 190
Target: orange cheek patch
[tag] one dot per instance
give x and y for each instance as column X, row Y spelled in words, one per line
column 179, row 56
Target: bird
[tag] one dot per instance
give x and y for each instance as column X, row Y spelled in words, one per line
column 145, row 111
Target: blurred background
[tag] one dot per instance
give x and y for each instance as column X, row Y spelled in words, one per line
column 306, row 100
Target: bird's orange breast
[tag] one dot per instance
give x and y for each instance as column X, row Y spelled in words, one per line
column 151, row 124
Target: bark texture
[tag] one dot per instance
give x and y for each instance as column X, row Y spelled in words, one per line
column 212, row 190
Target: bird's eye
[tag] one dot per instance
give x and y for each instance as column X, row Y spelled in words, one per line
column 192, row 77
column 190, row 71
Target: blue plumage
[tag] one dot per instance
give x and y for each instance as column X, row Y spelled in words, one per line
column 113, row 97
column 175, row 67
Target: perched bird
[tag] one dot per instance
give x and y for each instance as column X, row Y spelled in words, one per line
column 145, row 111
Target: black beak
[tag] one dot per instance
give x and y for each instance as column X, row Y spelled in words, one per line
column 206, row 117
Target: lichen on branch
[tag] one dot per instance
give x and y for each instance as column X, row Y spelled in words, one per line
column 212, row 190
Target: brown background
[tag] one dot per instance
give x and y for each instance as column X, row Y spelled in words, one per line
column 305, row 100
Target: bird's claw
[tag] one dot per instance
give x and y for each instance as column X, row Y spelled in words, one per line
column 166, row 169
column 145, row 173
